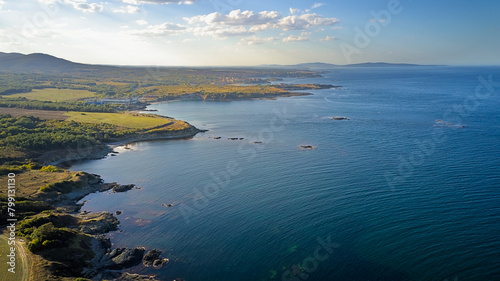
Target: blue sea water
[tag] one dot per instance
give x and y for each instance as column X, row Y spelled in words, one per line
column 390, row 194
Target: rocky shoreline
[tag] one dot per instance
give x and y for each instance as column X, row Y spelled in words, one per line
column 66, row 157
column 107, row 263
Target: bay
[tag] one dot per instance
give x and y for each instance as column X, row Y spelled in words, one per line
column 399, row 195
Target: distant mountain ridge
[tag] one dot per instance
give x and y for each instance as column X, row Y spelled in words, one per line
column 38, row 62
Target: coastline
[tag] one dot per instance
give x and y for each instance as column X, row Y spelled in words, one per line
column 64, row 158
column 108, row 258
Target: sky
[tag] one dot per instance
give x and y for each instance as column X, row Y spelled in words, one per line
column 254, row 32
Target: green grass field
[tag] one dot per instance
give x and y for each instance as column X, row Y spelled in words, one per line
column 52, row 94
column 126, row 120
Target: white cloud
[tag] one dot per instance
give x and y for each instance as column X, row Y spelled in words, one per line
column 137, row 2
column 233, row 31
column 236, row 17
column 254, row 40
column 129, row 9
column 160, row 30
column 305, row 21
column 238, row 23
column 258, row 21
column 88, row 7
column 317, row 5
column 292, row 38
column 80, row 5
column 2, row 3
column 294, row 11
column 328, row 38
column 141, row 22
column 49, row 2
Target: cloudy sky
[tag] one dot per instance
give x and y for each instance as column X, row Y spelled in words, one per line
column 253, row 32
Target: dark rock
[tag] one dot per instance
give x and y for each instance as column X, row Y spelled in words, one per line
column 340, row 118
column 308, row 147
column 124, row 258
column 150, row 257
column 118, row 276
column 160, row 262
column 217, row 138
column 123, row 188
column 167, row 205
column 97, row 223
column 118, row 213
column 257, row 142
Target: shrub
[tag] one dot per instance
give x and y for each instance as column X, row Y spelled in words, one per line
column 50, row 168
column 34, row 245
column 47, row 236
column 45, row 188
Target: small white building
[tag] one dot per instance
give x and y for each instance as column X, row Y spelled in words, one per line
column 124, row 101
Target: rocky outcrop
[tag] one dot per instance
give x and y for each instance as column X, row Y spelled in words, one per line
column 118, row 276
column 121, row 258
column 158, row 135
column 122, row 188
column 65, row 157
column 60, row 156
column 339, row 118
column 98, row 223
column 152, row 258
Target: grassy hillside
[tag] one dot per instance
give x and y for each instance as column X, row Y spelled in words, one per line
column 125, row 120
column 52, row 94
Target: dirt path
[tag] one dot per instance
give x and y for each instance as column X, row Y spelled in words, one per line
column 23, row 261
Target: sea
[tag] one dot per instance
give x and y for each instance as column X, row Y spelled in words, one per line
column 407, row 189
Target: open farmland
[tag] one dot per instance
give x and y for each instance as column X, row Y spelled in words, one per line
column 126, row 120
column 52, row 94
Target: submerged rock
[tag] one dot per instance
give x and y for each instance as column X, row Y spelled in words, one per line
column 340, row 118
column 308, row 147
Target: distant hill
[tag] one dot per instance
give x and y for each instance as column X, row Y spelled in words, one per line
column 312, row 65
column 316, row 65
column 320, row 65
column 15, row 62
column 380, row 64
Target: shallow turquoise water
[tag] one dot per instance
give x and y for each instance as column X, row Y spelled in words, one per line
column 398, row 197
